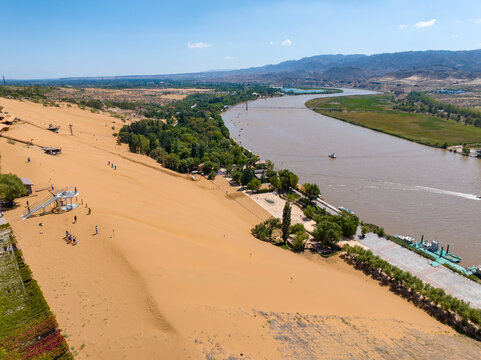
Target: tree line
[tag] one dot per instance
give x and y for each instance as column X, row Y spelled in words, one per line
column 420, row 102
column 435, row 301
column 191, row 132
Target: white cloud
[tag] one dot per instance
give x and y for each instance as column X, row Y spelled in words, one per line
column 478, row 21
column 271, row 42
column 287, row 42
column 455, row 36
column 228, row 58
column 198, row 45
column 423, row 24
column 402, row 26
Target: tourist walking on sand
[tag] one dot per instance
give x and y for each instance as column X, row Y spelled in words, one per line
column 28, row 159
column 108, row 163
column 96, row 230
column 74, row 240
column 90, row 211
column 75, row 218
column 52, row 187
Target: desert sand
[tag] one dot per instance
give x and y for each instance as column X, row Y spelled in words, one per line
column 174, row 272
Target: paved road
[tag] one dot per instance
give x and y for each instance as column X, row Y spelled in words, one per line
column 440, row 277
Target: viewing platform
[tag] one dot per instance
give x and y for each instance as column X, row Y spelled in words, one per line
column 59, row 197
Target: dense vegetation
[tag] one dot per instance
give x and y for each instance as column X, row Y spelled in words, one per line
column 380, row 113
column 420, row 102
column 191, row 132
column 446, row 308
column 25, row 92
column 28, row 329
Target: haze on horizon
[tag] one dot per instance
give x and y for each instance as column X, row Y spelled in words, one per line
column 109, row 38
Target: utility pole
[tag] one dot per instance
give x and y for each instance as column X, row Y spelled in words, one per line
column 247, row 106
column 4, row 83
column 71, row 131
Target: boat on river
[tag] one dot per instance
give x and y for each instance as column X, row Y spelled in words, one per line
column 332, row 155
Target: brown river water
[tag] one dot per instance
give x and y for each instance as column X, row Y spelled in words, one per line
column 407, row 188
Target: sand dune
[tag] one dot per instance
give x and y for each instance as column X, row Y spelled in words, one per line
column 174, row 272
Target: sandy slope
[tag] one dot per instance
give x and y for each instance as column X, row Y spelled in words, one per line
column 174, row 272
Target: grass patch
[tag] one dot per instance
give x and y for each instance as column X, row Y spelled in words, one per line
column 375, row 112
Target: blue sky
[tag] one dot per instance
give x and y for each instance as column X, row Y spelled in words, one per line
column 50, row 38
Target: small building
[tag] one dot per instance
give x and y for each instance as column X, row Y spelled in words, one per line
column 260, row 173
column 53, row 128
column 28, row 184
column 52, row 150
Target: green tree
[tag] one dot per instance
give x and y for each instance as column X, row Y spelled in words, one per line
column 297, row 228
column 466, row 150
column 285, row 179
column 262, row 231
column 269, row 165
column 348, row 223
column 172, row 161
column 286, row 221
column 254, row 184
column 299, row 242
column 208, row 167
column 327, row 232
column 274, row 180
column 237, row 176
column 11, row 187
column 247, row 176
column 312, row 191
column 293, row 180
column 309, row 211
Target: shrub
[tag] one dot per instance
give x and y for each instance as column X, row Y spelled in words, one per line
column 262, row 231
column 299, row 242
column 254, row 184
column 297, row 228
column 309, row 211
column 212, row 175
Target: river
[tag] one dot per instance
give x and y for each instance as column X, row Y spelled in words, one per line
column 407, row 188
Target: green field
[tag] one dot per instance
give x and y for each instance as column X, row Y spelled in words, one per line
column 375, row 112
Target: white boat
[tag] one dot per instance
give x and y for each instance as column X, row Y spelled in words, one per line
column 332, row 156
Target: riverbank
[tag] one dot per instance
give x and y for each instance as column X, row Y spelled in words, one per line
column 376, row 113
column 421, row 183
column 174, row 270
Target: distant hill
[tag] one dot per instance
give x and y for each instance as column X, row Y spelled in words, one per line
column 379, row 64
column 386, row 71
column 381, row 71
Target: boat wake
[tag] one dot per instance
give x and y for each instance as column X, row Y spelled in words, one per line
column 446, row 192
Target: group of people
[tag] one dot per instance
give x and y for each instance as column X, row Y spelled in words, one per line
column 70, row 238
column 111, row 164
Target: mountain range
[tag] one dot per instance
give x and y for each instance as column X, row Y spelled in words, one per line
column 388, row 71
